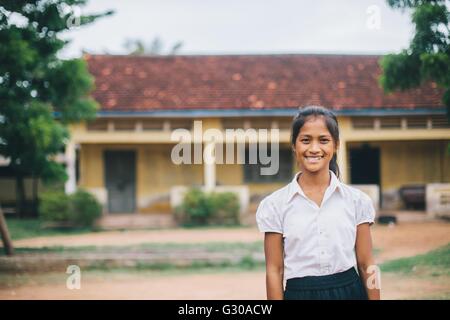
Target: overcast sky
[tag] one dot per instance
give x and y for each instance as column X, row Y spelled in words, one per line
column 246, row 26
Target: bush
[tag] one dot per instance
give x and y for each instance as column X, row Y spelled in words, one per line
column 194, row 209
column 225, row 208
column 54, row 206
column 85, row 207
column 200, row 208
column 79, row 209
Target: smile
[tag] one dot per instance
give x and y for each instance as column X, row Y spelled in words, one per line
column 313, row 159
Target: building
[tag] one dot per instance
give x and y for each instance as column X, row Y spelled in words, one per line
column 124, row 156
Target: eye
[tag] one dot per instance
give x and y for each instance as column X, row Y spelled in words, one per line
column 304, row 140
column 324, row 141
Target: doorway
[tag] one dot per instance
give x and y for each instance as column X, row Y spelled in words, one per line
column 120, row 180
column 365, row 165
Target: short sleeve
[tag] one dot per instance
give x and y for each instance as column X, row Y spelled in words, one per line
column 365, row 211
column 267, row 218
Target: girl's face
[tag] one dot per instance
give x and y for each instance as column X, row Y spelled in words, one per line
column 314, row 147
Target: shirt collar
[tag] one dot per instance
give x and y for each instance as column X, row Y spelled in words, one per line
column 294, row 188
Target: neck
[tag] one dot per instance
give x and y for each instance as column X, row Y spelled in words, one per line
column 319, row 179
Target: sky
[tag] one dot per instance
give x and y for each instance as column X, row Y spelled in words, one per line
column 245, row 26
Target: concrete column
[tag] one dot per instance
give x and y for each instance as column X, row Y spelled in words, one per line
column 209, row 140
column 70, row 155
column 209, row 165
column 342, row 161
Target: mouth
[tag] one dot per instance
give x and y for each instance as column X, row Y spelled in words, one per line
column 313, row 159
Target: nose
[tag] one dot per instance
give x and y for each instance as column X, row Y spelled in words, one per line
column 314, row 147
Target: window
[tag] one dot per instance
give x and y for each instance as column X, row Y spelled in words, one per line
column 181, row 124
column 261, row 123
column 252, row 172
column 232, row 123
column 440, row 122
column 390, row 123
column 98, row 125
column 362, row 123
column 152, row 124
column 417, row 122
column 124, row 125
column 284, row 123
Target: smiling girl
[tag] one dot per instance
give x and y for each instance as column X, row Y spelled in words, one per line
column 317, row 229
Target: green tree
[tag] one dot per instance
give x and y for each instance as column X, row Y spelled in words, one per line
column 40, row 94
column 428, row 55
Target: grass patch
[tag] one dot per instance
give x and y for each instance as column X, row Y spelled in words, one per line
column 30, row 228
column 247, row 263
column 237, row 255
column 376, row 251
column 14, row 280
column 434, row 263
column 256, row 246
column 442, row 296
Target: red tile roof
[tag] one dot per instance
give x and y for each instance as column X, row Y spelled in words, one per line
column 247, row 82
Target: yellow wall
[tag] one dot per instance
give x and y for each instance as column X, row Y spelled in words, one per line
column 407, row 156
column 155, row 173
column 8, row 189
column 233, row 174
column 91, row 166
column 412, row 162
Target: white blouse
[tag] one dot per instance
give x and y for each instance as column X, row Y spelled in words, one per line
column 317, row 240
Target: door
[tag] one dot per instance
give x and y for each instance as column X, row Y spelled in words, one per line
column 120, row 180
column 365, row 165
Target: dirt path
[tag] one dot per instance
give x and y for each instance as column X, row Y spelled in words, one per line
column 122, row 238
column 409, row 239
column 403, row 240
column 222, row 286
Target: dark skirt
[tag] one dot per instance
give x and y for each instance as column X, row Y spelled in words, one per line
column 345, row 285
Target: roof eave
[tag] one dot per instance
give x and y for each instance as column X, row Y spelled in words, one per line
column 280, row 112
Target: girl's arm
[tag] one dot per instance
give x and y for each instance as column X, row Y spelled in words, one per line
column 273, row 248
column 368, row 271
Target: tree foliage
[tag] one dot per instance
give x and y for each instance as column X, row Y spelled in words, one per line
column 428, row 55
column 40, row 94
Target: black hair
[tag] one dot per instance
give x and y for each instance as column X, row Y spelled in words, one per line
column 330, row 121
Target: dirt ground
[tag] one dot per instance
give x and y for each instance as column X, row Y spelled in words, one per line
column 218, row 286
column 132, row 237
column 402, row 240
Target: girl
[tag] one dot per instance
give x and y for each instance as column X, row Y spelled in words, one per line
column 317, row 228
